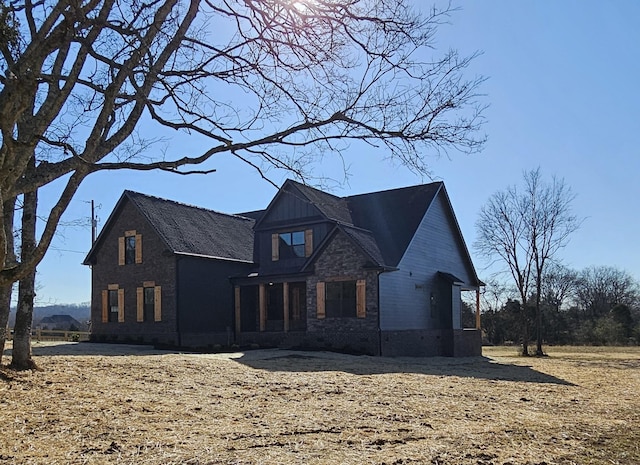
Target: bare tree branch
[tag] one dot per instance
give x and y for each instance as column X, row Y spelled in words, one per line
column 275, row 83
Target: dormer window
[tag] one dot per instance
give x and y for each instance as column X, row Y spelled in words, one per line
column 291, row 244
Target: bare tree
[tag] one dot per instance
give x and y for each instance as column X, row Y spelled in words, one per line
column 601, row 288
column 558, row 294
column 494, row 298
column 501, row 235
column 550, row 223
column 559, row 285
column 495, row 295
column 525, row 230
column 81, row 76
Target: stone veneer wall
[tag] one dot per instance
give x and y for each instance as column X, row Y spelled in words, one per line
column 431, row 343
column 342, row 259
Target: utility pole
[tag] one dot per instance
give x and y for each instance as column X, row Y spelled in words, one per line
column 94, row 223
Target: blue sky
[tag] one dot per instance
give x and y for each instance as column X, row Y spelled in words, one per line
column 562, row 86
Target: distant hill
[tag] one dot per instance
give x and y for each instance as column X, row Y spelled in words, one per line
column 80, row 312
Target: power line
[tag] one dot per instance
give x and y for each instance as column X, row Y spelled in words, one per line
column 67, row 250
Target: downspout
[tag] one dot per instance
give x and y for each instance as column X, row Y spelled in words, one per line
column 177, row 300
column 478, row 324
column 380, row 271
column 379, row 328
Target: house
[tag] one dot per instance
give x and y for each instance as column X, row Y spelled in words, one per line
column 379, row 273
column 61, row 323
column 160, row 273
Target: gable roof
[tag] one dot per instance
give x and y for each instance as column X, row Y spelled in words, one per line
column 389, row 218
column 393, row 216
column 367, row 242
column 59, row 319
column 326, row 205
column 361, row 238
column 190, row 230
column 383, row 223
column 332, row 207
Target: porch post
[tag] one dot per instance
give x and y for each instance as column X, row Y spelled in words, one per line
column 237, row 309
column 285, row 305
column 478, row 308
column 263, row 307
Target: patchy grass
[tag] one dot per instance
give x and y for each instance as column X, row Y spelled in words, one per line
column 97, row 404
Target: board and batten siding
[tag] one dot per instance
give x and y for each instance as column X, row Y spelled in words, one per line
column 405, row 295
column 290, row 206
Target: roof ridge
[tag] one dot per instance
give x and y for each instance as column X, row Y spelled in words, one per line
column 307, row 186
column 184, row 204
column 347, row 197
column 393, row 189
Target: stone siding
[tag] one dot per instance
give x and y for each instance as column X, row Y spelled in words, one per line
column 342, row 259
column 431, row 343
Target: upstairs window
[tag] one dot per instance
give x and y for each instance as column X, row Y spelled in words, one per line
column 291, row 244
column 130, row 248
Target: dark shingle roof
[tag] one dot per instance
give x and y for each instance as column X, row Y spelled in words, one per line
column 59, row 319
column 192, row 230
column 333, row 207
column 385, row 221
column 392, row 216
column 367, row 242
column 254, row 215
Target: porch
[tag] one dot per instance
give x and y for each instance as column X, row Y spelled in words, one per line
column 270, row 307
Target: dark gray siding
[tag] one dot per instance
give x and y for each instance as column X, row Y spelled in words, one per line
column 205, row 300
column 263, row 248
column 405, row 295
column 290, row 207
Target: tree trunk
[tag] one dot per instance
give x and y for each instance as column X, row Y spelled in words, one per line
column 539, row 351
column 524, row 314
column 5, row 308
column 8, row 209
column 21, row 359
column 539, row 266
column 525, row 340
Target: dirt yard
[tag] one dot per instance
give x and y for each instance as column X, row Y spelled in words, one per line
column 100, row 404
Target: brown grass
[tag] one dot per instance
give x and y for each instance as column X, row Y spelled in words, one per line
column 98, row 404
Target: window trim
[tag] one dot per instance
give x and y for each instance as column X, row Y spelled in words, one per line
column 140, row 303
column 107, row 304
column 137, row 248
column 307, row 245
column 361, row 297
